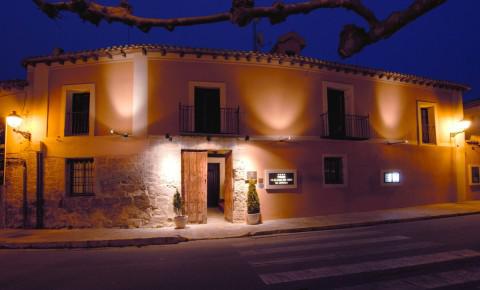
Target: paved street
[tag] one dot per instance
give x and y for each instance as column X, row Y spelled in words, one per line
column 434, row 254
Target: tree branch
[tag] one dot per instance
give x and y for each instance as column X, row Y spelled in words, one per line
column 352, row 39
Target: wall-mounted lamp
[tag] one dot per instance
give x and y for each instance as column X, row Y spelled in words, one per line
column 14, row 120
column 125, row 134
column 460, row 127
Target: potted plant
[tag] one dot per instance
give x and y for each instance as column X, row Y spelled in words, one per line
column 180, row 219
column 253, row 204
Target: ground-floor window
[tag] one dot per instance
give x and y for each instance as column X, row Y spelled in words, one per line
column 80, row 176
column 474, row 174
column 333, row 170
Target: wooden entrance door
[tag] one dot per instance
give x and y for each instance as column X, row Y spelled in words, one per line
column 194, row 185
column 228, row 188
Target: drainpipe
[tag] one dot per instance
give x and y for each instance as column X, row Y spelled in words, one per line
column 25, row 202
column 39, row 192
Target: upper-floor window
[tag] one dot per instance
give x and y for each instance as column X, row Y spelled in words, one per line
column 207, row 110
column 427, row 121
column 339, row 121
column 78, row 112
column 78, row 103
column 80, row 176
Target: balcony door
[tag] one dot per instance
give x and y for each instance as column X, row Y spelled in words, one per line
column 336, row 113
column 207, row 110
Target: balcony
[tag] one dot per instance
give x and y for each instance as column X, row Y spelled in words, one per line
column 193, row 121
column 429, row 134
column 348, row 127
column 76, row 123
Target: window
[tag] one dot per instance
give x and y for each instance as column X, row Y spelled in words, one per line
column 474, row 174
column 427, row 130
column 78, row 105
column 77, row 115
column 80, row 177
column 333, row 170
column 207, row 110
column 391, row 177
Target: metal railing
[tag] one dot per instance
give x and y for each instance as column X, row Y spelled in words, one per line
column 229, row 121
column 429, row 135
column 353, row 127
column 76, row 123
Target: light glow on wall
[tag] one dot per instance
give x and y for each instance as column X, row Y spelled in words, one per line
column 459, row 127
column 390, row 108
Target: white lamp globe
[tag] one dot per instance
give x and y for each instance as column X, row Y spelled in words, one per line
column 14, row 120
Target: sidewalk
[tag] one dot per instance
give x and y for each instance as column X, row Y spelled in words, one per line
column 94, row 238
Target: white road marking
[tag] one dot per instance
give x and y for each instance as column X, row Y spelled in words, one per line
column 428, row 281
column 295, row 248
column 365, row 267
column 337, row 255
column 260, row 242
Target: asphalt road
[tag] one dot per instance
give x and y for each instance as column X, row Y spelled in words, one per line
column 434, row 254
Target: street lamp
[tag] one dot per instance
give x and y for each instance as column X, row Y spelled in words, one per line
column 460, row 127
column 14, row 120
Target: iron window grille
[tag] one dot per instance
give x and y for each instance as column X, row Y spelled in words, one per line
column 428, row 125
column 80, row 177
column 333, row 170
column 77, row 116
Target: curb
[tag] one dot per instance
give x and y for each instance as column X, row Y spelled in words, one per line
column 359, row 224
column 140, row 242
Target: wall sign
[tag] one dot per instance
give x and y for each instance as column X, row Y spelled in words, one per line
column 281, row 178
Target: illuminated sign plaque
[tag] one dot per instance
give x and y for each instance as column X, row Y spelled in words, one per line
column 281, row 178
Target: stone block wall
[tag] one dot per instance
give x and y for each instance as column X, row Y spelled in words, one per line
column 19, row 207
column 130, row 190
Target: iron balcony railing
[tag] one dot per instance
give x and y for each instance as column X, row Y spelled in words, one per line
column 227, row 122
column 352, row 127
column 76, row 123
column 429, row 135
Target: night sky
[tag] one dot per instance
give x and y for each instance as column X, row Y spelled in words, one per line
column 443, row 44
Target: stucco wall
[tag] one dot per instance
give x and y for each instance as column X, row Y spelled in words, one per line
column 136, row 177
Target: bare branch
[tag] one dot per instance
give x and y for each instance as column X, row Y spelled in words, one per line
column 352, row 40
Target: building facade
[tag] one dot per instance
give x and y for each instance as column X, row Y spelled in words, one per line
column 116, row 131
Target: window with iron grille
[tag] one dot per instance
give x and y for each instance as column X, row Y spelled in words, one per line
column 333, row 170
column 80, row 176
column 77, row 115
column 474, row 176
column 427, row 124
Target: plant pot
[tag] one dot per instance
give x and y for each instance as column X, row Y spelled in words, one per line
column 253, row 218
column 180, row 221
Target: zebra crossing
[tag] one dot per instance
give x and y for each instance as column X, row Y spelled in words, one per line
column 359, row 259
